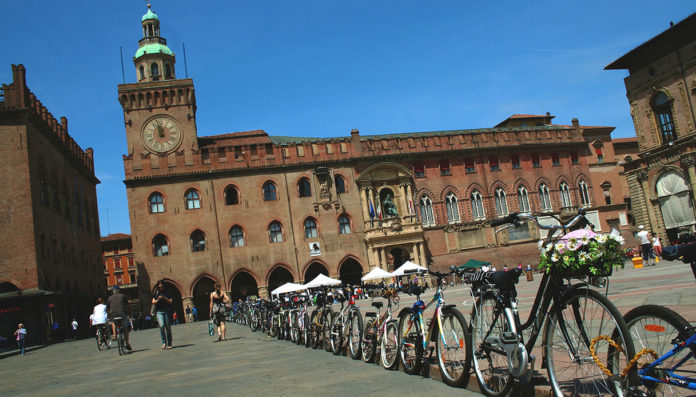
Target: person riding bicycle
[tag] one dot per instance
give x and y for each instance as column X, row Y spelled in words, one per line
column 117, row 307
column 99, row 317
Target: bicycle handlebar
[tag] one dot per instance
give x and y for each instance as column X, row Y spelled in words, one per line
column 515, row 219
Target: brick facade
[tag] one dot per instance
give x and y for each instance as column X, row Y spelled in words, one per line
column 50, row 246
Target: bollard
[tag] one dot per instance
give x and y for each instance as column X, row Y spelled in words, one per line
column 637, row 262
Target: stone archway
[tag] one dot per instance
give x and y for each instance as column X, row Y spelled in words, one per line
column 177, row 306
column 313, row 270
column 350, row 272
column 201, row 297
column 278, row 277
column 243, row 285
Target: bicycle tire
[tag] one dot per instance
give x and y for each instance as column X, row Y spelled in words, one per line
column 491, row 367
column 315, row 325
column 294, row 330
column 454, row 359
column 121, row 344
column 369, row 341
column 410, row 343
column 254, row 320
column 272, row 326
column 100, row 340
column 581, row 376
column 305, row 330
column 336, row 338
column 326, row 329
column 389, row 350
column 355, row 332
column 655, row 327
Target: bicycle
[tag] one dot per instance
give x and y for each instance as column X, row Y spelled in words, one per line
column 347, row 325
column 103, row 337
column 447, row 328
column 578, row 314
column 383, row 330
column 120, row 339
column 320, row 329
column 667, row 342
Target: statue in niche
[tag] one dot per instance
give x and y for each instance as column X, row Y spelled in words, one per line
column 390, row 207
column 324, row 191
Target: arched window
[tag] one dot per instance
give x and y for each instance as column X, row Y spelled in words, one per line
column 310, row 228
column 236, row 236
column 340, row 184
column 523, row 199
column 501, row 207
column 275, row 233
column 452, row 208
column 193, row 200
column 197, row 241
column 426, row 210
column 142, row 72
column 231, row 195
column 606, row 189
column 154, row 70
column 584, row 194
column 156, row 203
column 565, row 196
column 343, row 224
column 160, row 245
column 663, row 114
column 303, row 188
column 477, row 205
column 544, row 198
column 269, row 192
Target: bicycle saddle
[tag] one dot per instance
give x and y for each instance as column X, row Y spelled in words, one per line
column 505, row 278
column 378, row 305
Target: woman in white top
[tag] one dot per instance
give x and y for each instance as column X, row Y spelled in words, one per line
column 657, row 245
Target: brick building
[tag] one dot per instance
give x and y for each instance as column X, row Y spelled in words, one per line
column 117, row 261
column 252, row 211
column 49, row 252
column 660, row 88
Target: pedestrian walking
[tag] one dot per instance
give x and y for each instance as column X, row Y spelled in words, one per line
column 646, row 247
column 74, row 325
column 163, row 306
column 218, row 310
column 21, row 335
column 657, row 245
column 189, row 314
column 175, row 317
column 194, row 311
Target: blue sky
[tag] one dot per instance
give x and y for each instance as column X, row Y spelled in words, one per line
column 322, row 68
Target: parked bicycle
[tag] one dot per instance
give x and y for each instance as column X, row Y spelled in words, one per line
column 320, row 321
column 447, row 328
column 576, row 314
column 382, row 330
column 347, row 326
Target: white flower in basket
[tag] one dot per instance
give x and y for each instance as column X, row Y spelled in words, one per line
column 583, row 253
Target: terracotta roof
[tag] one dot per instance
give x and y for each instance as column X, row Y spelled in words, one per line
column 116, row 236
column 528, row 116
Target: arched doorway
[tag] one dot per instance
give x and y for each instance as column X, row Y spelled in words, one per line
column 313, row 270
column 201, row 297
column 174, row 293
column 397, row 258
column 243, row 285
column 8, row 287
column 350, row 272
column 278, row 277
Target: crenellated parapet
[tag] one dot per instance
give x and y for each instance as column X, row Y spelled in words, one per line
column 158, row 95
column 17, row 96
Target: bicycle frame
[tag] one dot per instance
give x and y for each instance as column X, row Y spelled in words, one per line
column 670, row 377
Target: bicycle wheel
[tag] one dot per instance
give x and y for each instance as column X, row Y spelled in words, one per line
column 572, row 370
column 389, row 349
column 294, row 332
column 410, row 343
column 254, row 320
column 368, row 346
column 315, row 327
column 121, row 344
column 100, row 340
column 655, row 327
column 305, row 330
column 355, row 331
column 336, row 338
column 273, row 326
column 453, row 347
column 490, row 362
column 326, row 328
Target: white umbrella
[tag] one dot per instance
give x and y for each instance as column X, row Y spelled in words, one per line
column 287, row 287
column 321, row 280
column 376, row 274
column 409, row 267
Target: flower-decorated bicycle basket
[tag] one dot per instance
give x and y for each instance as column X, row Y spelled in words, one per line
column 582, row 253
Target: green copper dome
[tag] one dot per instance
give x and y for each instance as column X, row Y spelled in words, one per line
column 153, row 48
column 149, row 14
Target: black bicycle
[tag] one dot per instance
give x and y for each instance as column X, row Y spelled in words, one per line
column 120, row 335
column 578, row 318
column 103, row 337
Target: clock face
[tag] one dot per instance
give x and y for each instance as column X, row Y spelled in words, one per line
column 161, row 134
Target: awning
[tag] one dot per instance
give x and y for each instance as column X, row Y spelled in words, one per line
column 376, row 274
column 474, row 264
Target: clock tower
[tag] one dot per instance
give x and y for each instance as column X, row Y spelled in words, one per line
column 159, row 110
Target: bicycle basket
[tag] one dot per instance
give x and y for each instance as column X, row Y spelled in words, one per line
column 581, row 254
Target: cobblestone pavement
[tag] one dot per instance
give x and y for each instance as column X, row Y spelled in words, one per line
column 252, row 364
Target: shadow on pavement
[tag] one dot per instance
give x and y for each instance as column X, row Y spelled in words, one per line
column 180, row 346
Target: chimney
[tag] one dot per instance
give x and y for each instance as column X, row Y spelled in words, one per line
column 355, row 141
column 575, row 122
column 19, row 81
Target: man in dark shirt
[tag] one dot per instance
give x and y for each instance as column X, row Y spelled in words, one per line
column 117, row 307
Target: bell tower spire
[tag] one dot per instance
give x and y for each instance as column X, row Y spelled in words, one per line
column 153, row 60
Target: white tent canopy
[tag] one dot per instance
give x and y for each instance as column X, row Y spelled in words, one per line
column 408, row 266
column 287, row 287
column 376, row 274
column 322, row 280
